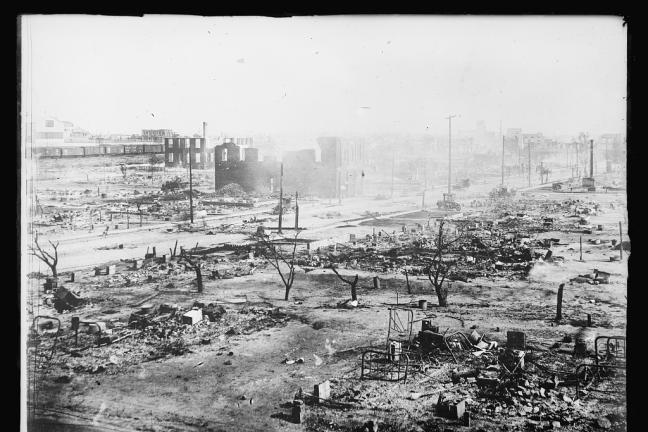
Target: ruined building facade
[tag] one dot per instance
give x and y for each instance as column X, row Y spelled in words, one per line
column 233, row 164
column 177, row 152
column 340, row 173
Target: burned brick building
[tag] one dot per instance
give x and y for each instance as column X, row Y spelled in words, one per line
column 178, row 150
column 233, row 164
column 340, row 173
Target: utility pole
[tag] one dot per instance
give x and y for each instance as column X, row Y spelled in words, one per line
column 424, row 183
column 190, row 186
column 450, row 117
column 607, row 162
column 296, row 211
column 280, row 198
column 392, row 174
column 339, row 184
column 577, row 164
column 517, row 143
column 591, row 158
column 529, row 144
column 502, row 156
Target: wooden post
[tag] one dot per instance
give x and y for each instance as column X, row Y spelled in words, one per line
column 581, row 248
column 396, row 289
column 559, row 303
column 589, row 320
column 620, row 241
column 75, row 327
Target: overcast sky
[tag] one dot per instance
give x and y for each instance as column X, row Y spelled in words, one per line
column 327, row 75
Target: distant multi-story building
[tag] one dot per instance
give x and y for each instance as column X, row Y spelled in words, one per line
column 513, row 141
column 343, row 164
column 478, row 140
column 614, row 146
column 156, row 135
column 244, row 141
column 47, row 132
column 533, row 139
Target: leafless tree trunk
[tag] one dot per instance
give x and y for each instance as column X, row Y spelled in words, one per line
column 47, row 258
column 275, row 256
column 352, row 283
column 439, row 270
column 409, row 288
column 173, row 251
column 195, row 265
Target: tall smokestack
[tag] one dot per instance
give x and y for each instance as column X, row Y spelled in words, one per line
column 205, row 133
column 592, row 158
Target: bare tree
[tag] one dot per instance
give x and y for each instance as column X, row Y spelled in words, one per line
column 276, row 257
column 46, row 257
column 409, row 288
column 195, row 264
column 440, row 269
column 352, row 283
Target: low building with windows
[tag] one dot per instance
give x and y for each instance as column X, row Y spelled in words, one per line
column 156, row 135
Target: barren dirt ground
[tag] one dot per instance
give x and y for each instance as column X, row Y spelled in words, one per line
column 204, row 388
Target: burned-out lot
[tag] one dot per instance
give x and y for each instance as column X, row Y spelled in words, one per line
column 197, row 334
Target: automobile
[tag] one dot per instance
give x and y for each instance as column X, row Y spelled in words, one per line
column 448, row 202
column 502, row 192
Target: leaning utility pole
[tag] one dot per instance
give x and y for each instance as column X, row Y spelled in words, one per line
column 280, row 197
column 450, row 117
column 190, row 185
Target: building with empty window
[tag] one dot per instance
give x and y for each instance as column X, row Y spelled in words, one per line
column 227, row 152
column 178, row 151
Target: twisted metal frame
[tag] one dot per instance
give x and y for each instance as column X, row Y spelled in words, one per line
column 595, row 369
column 383, row 365
column 56, row 335
column 614, row 352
